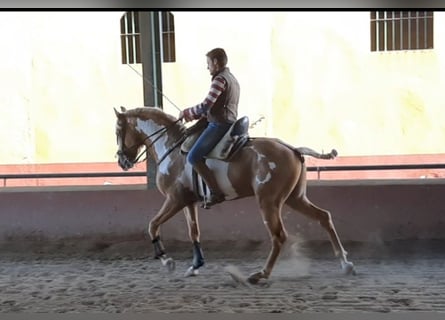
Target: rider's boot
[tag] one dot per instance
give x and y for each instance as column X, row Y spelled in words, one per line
column 216, row 195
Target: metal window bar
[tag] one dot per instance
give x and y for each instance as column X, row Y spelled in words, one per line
column 377, row 33
column 393, row 33
column 401, row 30
column 425, row 33
column 416, row 36
column 409, row 31
column 385, row 31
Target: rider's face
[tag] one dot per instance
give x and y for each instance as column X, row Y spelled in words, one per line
column 212, row 66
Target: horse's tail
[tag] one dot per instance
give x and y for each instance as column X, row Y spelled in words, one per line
column 305, row 151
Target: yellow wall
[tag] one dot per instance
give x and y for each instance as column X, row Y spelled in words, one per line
column 61, row 75
column 310, row 74
column 313, row 77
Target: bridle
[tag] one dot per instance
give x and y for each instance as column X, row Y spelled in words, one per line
column 123, row 159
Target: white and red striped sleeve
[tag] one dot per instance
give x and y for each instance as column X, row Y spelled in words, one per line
column 217, row 87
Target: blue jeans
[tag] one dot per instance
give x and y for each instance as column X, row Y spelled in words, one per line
column 207, row 141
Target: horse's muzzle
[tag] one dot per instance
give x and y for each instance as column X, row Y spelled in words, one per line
column 123, row 161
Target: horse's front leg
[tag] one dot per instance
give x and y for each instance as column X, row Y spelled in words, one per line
column 169, row 208
column 191, row 215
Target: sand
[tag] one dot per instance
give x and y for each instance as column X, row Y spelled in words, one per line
column 100, row 276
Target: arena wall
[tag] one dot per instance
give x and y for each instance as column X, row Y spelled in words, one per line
column 370, row 211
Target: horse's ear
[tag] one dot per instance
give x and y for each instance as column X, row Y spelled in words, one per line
column 123, row 109
column 118, row 113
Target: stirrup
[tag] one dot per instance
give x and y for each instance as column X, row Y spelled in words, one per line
column 213, row 199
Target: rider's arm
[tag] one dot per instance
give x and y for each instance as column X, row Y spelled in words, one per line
column 217, row 87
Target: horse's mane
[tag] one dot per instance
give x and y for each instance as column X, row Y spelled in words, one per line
column 148, row 113
column 156, row 114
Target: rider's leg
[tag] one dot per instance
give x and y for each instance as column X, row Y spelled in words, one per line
column 216, row 194
column 205, row 143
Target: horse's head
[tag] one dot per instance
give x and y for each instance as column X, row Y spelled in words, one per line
column 128, row 141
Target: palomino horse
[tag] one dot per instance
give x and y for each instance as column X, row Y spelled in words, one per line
column 266, row 168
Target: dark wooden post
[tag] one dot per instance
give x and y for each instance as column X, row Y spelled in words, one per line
column 150, row 30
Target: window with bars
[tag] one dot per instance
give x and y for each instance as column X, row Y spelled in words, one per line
column 168, row 37
column 401, row 30
column 131, row 37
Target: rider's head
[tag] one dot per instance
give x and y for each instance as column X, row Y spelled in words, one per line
column 216, row 60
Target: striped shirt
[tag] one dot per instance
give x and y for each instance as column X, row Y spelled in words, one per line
column 217, row 87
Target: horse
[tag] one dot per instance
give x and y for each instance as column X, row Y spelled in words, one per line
column 266, row 168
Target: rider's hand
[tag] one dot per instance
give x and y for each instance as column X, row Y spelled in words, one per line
column 187, row 115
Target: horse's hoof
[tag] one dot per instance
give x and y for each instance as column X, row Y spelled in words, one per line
column 191, row 272
column 169, row 263
column 254, row 278
column 348, row 268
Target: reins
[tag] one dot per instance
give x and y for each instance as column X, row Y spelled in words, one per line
column 161, row 132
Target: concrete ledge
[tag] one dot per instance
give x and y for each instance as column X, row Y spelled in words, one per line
column 366, row 211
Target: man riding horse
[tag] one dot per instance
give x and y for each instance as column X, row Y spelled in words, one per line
column 220, row 107
column 268, row 169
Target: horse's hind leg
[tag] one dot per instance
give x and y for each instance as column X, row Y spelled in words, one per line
column 271, row 213
column 191, row 215
column 306, row 207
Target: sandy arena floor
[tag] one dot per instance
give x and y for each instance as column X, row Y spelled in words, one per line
column 123, row 277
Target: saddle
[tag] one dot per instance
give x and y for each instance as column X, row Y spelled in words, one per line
column 234, row 139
